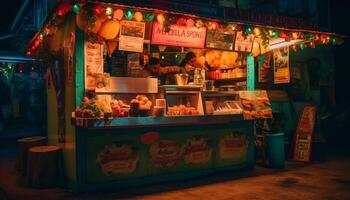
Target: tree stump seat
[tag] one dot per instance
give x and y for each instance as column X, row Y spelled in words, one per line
column 24, row 144
column 44, row 167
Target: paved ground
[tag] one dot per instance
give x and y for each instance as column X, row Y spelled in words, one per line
column 321, row 180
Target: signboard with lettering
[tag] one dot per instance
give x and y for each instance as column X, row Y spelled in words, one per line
column 178, row 36
column 303, row 135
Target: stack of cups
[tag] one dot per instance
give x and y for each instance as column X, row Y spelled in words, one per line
column 159, row 108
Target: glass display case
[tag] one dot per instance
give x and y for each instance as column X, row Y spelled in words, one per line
column 183, row 100
column 128, row 97
column 221, row 103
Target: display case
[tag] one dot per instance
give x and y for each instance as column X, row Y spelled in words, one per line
column 221, row 103
column 183, row 100
column 128, row 97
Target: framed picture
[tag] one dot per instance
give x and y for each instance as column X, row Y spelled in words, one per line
column 220, row 40
column 132, row 35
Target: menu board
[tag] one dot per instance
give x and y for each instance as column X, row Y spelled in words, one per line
column 93, row 57
column 281, row 65
column 256, row 104
column 244, row 44
column 219, row 40
column 132, row 35
column 303, row 135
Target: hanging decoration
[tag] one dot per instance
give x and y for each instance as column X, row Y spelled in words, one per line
column 160, row 18
column 138, row 16
column 199, row 23
column 190, row 23
column 181, row 21
column 118, row 14
column 98, row 10
column 109, row 12
column 76, row 8
column 129, row 14
column 96, row 20
column 109, row 29
column 149, row 17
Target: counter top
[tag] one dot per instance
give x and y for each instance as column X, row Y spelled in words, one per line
column 139, row 122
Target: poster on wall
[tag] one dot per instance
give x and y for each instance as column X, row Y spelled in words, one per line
column 220, row 40
column 256, row 104
column 93, row 58
column 244, row 44
column 132, row 35
column 265, row 68
column 303, row 135
column 281, row 65
column 178, row 36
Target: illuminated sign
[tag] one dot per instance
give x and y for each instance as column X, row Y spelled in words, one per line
column 178, row 36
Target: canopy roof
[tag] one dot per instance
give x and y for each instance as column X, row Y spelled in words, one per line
column 271, row 30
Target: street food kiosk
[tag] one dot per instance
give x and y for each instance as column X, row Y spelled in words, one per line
column 118, row 128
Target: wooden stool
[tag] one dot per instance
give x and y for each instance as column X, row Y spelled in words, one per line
column 44, row 167
column 23, row 145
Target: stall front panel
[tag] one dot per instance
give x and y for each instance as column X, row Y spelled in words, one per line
column 137, row 154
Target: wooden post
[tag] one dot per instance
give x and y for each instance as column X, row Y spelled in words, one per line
column 23, row 145
column 44, row 166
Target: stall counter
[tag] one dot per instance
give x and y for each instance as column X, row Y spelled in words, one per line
column 144, row 150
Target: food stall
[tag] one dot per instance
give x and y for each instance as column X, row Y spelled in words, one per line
column 119, row 128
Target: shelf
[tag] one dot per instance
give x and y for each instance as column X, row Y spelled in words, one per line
column 231, row 79
column 228, row 68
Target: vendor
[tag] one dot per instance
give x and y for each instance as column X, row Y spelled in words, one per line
column 164, row 74
column 189, row 64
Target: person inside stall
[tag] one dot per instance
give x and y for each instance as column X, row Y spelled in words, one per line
column 189, row 64
column 164, row 74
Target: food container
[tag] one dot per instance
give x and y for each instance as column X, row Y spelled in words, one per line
column 181, row 79
column 160, row 103
column 209, row 106
column 159, row 111
column 208, row 85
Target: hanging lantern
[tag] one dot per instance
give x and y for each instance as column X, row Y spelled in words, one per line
column 109, row 29
column 63, row 9
column 129, row 14
column 312, row 44
column 118, row 14
column 190, row 23
column 294, row 47
column 109, row 11
column 257, row 31
column 248, row 30
column 310, row 36
column 160, row 18
column 301, row 46
column 76, row 8
column 334, row 41
column 232, row 27
column 28, row 53
column 98, row 10
column 275, row 34
column 149, row 17
column 181, row 21
column 295, row 35
column 199, row 23
column 138, row 16
column 216, row 25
